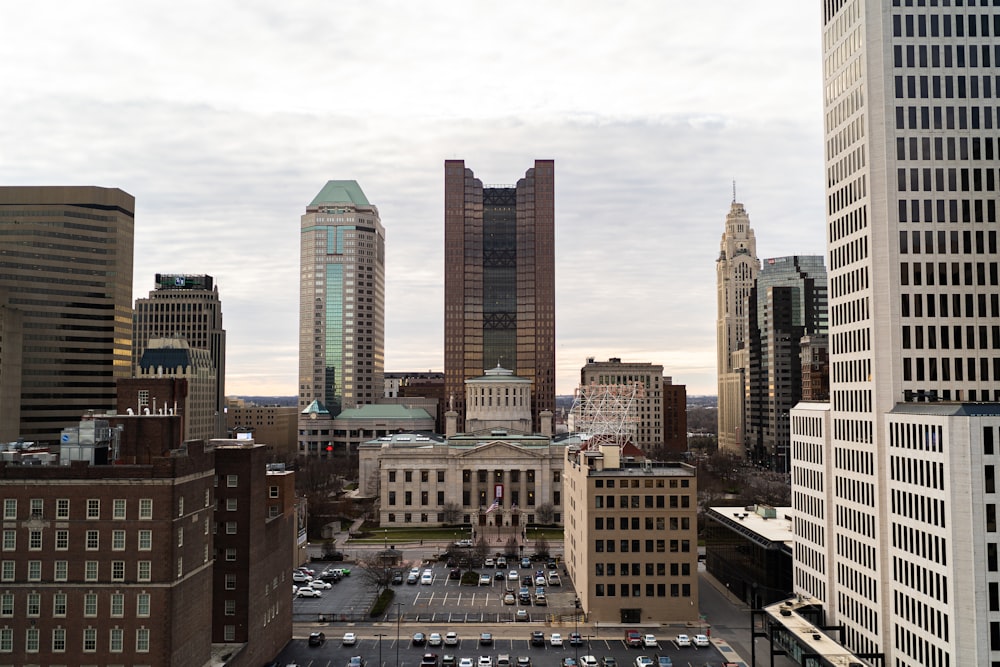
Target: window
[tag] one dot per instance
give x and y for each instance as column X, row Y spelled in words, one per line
column 31, row 640
column 35, row 540
column 90, row 570
column 118, row 540
column 34, row 604
column 117, row 605
column 272, row 491
column 10, row 508
column 94, row 508
column 89, row 640
column 93, row 542
column 180, row 506
column 145, row 508
column 231, row 553
column 7, row 604
column 60, row 570
column 208, row 497
column 232, row 480
column 7, row 571
column 9, row 540
column 180, row 536
column 230, row 607
column 62, row 508
column 58, row 640
column 230, row 582
column 231, row 504
column 62, row 540
column 145, row 540
column 118, row 509
column 229, row 633
column 6, row 640
column 34, row 570
column 142, row 605
column 59, row 605
column 144, row 570
column 142, row 640
column 440, row 476
column 180, row 567
column 36, row 508
column 117, row 570
column 392, row 476
column 230, row 528
column 90, row 604
column 117, row 640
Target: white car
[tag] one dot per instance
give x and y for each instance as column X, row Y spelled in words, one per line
column 350, row 639
column 484, row 580
column 588, row 661
column 682, row 640
column 465, row 662
column 320, row 584
column 451, row 639
column 301, row 577
column 485, row 661
column 426, row 579
column 644, row 661
column 701, row 640
column 513, row 575
column 307, row 592
column 649, row 641
column 489, row 562
column 556, row 639
column 434, row 639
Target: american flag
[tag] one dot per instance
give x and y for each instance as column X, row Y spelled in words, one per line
column 494, row 506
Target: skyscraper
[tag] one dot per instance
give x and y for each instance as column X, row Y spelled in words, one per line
column 499, row 285
column 341, row 300
column 894, row 481
column 735, row 271
column 787, row 302
column 186, row 307
column 67, row 270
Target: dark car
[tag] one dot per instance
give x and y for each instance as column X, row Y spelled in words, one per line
column 575, row 639
column 448, row 660
column 499, row 575
column 527, row 581
column 429, row 660
column 317, row 639
column 397, row 577
column 356, row 661
column 486, row 639
column 538, row 638
column 568, row 662
column 419, row 639
column 455, row 574
column 523, row 661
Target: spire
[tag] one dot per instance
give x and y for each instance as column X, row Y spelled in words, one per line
column 734, row 190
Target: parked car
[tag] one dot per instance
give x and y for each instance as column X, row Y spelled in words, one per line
column 525, row 562
column 350, row 639
column 575, row 639
column 426, row 579
column 540, row 600
column 501, row 563
column 356, row 661
column 554, row 579
column 486, row 639
column 537, row 638
column 588, row 661
column 319, row 584
column 503, row 660
column 484, row 580
column 465, row 662
column 682, row 640
column 568, row 661
column 664, row 661
column 447, row 660
column 317, row 638
column 429, row 660
column 701, row 640
column 509, row 598
column 523, row 661
column 512, row 575
column 301, row 577
column 419, row 639
column 463, row 543
column 499, row 576
column 633, row 639
column 609, row 661
column 412, row 578
column 451, row 639
column 397, row 577
column 434, row 639
column 307, row 592
column 489, row 562
column 521, row 615
column 555, row 639
column 485, row 661
column 455, row 574
column 649, row 641
column 643, row 661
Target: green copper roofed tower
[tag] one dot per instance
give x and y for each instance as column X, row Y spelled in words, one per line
column 341, row 303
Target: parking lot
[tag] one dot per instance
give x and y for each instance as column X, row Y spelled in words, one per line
column 514, row 641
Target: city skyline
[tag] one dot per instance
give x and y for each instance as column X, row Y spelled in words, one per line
column 650, row 112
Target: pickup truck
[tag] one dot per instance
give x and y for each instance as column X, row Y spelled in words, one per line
column 633, row 639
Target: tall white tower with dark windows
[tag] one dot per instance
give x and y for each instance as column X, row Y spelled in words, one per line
column 736, row 270
column 894, row 481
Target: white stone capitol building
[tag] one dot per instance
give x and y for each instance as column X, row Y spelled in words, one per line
column 454, row 479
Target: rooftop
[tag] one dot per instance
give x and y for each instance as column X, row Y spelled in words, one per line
column 341, row 192
column 768, row 527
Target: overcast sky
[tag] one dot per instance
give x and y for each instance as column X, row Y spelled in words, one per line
column 224, row 119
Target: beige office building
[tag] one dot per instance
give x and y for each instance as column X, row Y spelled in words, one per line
column 645, row 405
column 631, row 540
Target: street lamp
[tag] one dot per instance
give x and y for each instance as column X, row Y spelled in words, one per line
column 399, row 611
column 380, row 635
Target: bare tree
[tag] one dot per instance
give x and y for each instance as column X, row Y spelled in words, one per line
column 545, row 514
column 542, row 547
column 480, row 551
column 510, row 548
column 375, row 570
column 452, row 513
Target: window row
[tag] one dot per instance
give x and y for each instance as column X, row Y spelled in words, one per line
column 642, row 546
column 945, row 117
column 636, row 590
column 641, row 569
column 647, row 502
column 36, row 509
column 58, row 639
column 949, row 273
column 645, row 483
column 641, row 523
column 964, row 370
column 60, row 606
column 114, row 571
column 61, row 538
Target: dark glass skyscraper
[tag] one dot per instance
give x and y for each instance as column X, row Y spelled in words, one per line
column 500, row 281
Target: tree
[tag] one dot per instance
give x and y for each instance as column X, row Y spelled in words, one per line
column 510, row 549
column 480, row 551
column 375, row 570
column 545, row 514
column 542, row 547
column 452, row 513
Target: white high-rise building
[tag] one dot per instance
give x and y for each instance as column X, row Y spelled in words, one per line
column 736, row 270
column 341, row 302
column 894, row 481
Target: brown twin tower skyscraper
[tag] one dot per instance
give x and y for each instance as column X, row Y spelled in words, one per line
column 499, row 286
